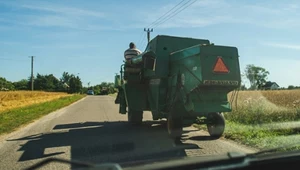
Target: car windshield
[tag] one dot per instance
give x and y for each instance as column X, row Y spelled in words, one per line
column 165, row 80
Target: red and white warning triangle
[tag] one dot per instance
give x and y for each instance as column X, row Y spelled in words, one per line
column 220, row 66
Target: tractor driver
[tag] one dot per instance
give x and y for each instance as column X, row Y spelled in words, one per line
column 131, row 52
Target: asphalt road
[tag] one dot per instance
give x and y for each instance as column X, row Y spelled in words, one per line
column 92, row 130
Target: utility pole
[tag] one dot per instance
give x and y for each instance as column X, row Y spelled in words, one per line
column 32, row 73
column 148, row 33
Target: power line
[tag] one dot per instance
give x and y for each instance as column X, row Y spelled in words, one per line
column 183, row 7
column 141, row 40
column 168, row 15
column 178, row 10
column 157, row 20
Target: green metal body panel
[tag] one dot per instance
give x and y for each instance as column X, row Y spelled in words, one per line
column 207, row 91
column 135, row 96
column 177, row 75
column 163, row 46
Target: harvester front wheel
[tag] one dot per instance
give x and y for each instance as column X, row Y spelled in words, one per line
column 135, row 117
column 216, row 124
column 174, row 126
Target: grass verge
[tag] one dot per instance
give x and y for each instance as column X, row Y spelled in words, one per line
column 264, row 119
column 12, row 119
column 264, row 136
column 113, row 95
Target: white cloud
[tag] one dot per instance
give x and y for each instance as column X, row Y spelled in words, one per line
column 65, row 46
column 65, row 10
column 280, row 45
column 210, row 12
column 294, row 7
column 9, row 43
column 202, row 13
column 50, row 15
column 6, row 28
column 51, row 20
column 281, row 70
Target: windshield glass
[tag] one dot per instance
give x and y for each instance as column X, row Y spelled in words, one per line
column 215, row 76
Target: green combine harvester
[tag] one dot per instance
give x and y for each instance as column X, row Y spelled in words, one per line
column 180, row 79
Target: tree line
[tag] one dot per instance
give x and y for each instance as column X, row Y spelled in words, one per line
column 100, row 88
column 257, row 77
column 48, row 82
column 291, row 87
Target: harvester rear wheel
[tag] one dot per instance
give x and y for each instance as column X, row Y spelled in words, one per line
column 216, row 124
column 175, row 126
column 135, row 117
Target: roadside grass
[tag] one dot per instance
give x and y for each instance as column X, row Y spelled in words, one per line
column 113, row 94
column 264, row 119
column 15, row 99
column 262, row 136
column 14, row 118
column 262, row 110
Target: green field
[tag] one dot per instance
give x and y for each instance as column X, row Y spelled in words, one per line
column 11, row 119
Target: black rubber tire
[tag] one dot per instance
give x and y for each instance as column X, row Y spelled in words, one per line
column 216, row 125
column 174, row 125
column 135, row 117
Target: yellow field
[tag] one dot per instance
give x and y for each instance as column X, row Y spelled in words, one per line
column 278, row 98
column 14, row 99
column 255, row 107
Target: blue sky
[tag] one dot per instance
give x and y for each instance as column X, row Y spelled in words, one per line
column 89, row 37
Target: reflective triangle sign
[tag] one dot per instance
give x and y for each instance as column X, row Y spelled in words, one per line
column 220, row 66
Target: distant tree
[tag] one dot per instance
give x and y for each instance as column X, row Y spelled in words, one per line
column 257, row 76
column 111, row 88
column 290, row 87
column 104, row 84
column 66, row 77
column 52, row 83
column 97, row 89
column 6, row 85
column 39, row 82
column 83, row 90
column 75, row 84
column 243, row 87
column 21, row 85
column 243, row 79
column 47, row 83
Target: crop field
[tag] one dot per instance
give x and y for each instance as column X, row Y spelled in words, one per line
column 15, row 99
column 256, row 107
column 264, row 119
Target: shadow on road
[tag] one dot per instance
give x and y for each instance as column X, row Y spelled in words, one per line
column 99, row 142
column 202, row 138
